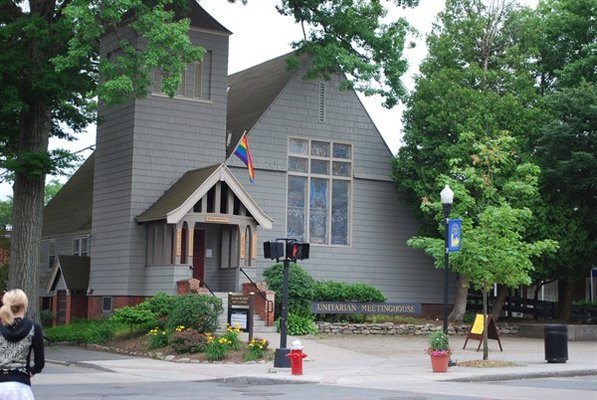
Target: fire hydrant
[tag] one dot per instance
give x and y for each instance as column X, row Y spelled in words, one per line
column 296, row 356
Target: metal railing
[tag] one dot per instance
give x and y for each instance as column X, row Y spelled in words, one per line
column 269, row 308
column 208, row 288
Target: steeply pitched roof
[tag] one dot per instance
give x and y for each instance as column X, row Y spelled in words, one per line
column 74, row 269
column 70, row 210
column 201, row 19
column 251, row 93
column 191, row 187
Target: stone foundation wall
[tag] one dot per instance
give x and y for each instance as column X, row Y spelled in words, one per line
column 390, row 328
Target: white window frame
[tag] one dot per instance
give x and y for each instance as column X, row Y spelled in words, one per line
column 330, row 179
column 78, row 246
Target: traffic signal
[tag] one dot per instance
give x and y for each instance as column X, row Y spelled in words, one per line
column 297, row 250
column 273, row 250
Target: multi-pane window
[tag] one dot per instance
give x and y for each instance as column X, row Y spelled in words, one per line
column 319, row 187
column 196, row 79
column 52, row 253
column 81, row 246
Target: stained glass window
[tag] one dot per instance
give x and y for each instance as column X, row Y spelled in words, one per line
column 297, row 190
column 318, row 207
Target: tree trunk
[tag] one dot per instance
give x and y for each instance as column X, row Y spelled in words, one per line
column 565, row 292
column 28, row 202
column 460, row 300
column 496, row 310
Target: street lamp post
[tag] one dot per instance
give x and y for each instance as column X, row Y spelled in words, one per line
column 447, row 197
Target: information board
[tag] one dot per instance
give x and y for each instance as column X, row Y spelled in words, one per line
column 477, row 328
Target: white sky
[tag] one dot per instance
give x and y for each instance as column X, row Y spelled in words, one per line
column 259, row 34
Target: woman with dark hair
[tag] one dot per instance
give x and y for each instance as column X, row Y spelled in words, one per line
column 18, row 337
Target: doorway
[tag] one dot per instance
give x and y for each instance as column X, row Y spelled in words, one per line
column 199, row 255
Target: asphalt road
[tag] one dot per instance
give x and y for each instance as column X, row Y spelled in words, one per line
column 80, row 383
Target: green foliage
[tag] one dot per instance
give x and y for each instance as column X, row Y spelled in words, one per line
column 217, row 348
column 160, row 304
column 256, row 349
column 195, row 311
column 134, row 316
column 3, row 277
column 158, row 338
column 83, row 331
column 233, row 336
column 438, row 342
column 356, row 38
column 585, row 303
column 301, row 287
column 188, row 341
column 46, row 317
column 301, row 325
column 343, row 291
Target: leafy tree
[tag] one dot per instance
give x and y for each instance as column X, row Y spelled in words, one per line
column 51, row 67
column 478, row 80
column 566, row 148
column 493, row 192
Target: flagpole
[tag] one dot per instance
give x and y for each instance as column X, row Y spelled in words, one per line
column 235, row 147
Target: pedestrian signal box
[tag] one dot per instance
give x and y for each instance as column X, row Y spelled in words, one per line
column 297, row 250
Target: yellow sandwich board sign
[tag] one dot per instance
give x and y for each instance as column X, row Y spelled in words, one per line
column 477, row 328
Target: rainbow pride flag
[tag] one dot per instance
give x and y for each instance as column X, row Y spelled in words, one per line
column 244, row 153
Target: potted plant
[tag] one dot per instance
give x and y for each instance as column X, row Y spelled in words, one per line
column 439, row 351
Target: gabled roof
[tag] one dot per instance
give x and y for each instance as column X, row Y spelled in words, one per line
column 69, row 211
column 201, row 19
column 177, row 201
column 251, row 92
column 74, row 269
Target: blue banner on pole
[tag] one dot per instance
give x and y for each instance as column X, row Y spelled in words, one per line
column 454, row 235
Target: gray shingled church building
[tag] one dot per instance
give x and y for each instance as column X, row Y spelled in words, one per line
column 163, row 199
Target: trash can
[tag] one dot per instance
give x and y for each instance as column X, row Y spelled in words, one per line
column 556, row 343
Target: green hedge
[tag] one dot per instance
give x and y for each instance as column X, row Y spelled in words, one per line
column 342, row 291
column 301, row 287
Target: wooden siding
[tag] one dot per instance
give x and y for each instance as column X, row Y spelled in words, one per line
column 380, row 224
column 142, row 149
column 295, row 113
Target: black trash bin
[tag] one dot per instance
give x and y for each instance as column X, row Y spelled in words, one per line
column 556, row 343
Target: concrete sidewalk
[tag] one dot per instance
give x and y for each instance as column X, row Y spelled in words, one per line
column 388, row 362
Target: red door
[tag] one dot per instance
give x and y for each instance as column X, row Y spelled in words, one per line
column 199, row 254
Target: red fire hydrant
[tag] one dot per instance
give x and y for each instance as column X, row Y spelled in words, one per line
column 296, row 356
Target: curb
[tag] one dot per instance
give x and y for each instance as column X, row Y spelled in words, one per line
column 81, row 364
column 529, row 375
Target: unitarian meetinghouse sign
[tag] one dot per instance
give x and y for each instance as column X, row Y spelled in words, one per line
column 331, row 307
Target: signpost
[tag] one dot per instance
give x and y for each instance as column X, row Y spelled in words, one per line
column 240, row 312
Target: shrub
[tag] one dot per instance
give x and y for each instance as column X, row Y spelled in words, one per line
column 301, row 325
column 83, row 331
column 195, row 311
column 47, row 318
column 101, row 331
column 256, row 349
column 160, row 304
column 188, row 341
column 134, row 316
column 343, row 291
column 300, row 287
column 217, row 348
column 157, row 338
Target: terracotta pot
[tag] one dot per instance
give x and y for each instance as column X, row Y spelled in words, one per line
column 440, row 363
